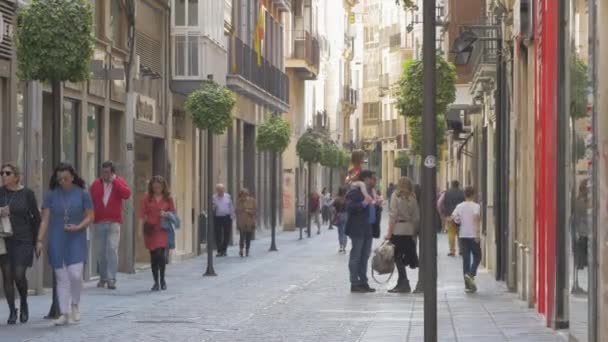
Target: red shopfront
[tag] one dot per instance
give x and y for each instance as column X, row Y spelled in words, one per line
column 546, row 97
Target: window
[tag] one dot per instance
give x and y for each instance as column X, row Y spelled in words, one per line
column 186, row 9
column 69, row 132
column 116, row 24
column 187, row 56
column 371, row 112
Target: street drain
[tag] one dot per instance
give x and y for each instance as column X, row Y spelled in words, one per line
column 164, row 322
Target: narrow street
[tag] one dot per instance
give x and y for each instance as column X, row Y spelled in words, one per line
column 300, row 293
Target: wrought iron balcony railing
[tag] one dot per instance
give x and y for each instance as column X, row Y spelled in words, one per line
column 243, row 61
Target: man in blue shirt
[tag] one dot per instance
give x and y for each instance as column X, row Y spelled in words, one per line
column 361, row 216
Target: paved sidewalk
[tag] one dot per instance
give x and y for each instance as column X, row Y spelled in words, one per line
column 300, row 293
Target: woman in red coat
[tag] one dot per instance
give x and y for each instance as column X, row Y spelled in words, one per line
column 156, row 204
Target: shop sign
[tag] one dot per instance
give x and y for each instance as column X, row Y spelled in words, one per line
column 146, row 109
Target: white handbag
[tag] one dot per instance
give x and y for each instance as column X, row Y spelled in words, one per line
column 6, row 229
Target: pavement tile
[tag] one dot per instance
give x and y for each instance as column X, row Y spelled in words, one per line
column 300, row 293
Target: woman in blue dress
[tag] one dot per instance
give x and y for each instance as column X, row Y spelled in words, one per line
column 67, row 210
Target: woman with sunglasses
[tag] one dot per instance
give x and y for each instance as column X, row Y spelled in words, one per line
column 156, row 204
column 19, row 204
column 66, row 213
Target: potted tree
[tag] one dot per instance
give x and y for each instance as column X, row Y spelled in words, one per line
column 274, row 136
column 309, row 149
column 210, row 108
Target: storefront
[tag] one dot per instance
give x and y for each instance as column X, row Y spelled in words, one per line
column 577, row 131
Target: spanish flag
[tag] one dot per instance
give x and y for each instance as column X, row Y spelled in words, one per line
column 260, row 31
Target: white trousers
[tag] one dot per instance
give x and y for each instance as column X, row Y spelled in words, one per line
column 69, row 286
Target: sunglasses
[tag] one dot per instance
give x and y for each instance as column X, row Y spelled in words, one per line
column 6, row 173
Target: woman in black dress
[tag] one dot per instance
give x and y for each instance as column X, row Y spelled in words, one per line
column 19, row 204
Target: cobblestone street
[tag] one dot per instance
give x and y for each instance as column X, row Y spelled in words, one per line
column 300, row 293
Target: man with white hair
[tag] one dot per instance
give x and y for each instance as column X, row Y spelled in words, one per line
column 223, row 211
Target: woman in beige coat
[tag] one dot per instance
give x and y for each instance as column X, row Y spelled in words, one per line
column 404, row 220
column 246, row 214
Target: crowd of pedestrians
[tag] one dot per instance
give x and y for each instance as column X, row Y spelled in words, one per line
column 69, row 208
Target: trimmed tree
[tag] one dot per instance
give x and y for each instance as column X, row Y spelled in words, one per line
column 309, row 148
column 402, row 162
column 274, row 136
column 54, row 42
column 407, row 4
column 331, row 157
column 210, row 108
column 411, row 96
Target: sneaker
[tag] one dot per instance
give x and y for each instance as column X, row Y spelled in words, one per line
column 61, row 320
column 469, row 283
column 112, row 285
column 75, row 313
column 101, row 284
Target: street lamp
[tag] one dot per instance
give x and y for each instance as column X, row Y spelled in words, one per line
column 210, row 272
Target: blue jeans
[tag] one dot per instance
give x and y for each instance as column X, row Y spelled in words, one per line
column 342, row 229
column 470, row 248
column 359, row 255
column 107, row 238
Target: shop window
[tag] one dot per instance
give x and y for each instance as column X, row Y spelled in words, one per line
column 21, row 131
column 69, row 132
column 187, row 53
column 93, row 142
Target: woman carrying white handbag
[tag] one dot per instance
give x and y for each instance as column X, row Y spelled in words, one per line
column 20, row 219
column 402, row 231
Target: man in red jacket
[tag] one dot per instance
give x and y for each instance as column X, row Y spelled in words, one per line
column 108, row 193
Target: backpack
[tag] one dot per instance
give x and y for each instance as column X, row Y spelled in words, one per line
column 383, row 261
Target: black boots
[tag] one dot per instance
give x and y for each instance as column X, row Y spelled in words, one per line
column 12, row 319
column 402, row 287
column 24, row 314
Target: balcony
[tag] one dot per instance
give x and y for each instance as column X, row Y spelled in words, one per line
column 304, row 59
column 282, row 5
column 263, row 82
column 483, row 62
column 350, row 96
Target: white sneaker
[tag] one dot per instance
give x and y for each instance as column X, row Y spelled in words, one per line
column 75, row 313
column 62, row 320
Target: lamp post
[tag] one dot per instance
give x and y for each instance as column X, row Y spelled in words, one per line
column 210, row 272
column 429, row 172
